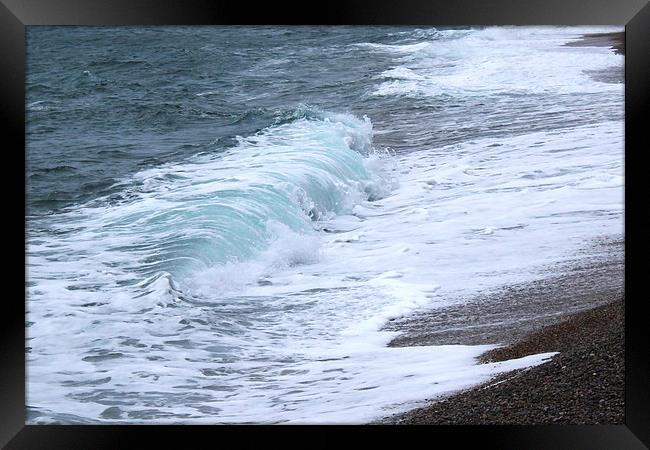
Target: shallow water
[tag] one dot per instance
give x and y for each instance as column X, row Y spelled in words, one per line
column 221, row 219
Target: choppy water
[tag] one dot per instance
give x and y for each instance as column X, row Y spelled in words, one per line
column 221, row 219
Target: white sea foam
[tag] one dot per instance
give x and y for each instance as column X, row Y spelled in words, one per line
column 499, row 60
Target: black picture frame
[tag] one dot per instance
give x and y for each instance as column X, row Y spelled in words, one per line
column 15, row 15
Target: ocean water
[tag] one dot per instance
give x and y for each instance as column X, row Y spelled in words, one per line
column 220, row 220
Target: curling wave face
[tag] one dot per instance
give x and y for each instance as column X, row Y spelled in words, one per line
column 228, row 207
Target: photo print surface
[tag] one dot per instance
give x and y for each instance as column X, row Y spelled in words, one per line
column 245, row 224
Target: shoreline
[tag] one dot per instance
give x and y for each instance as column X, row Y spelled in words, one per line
column 574, row 286
column 578, row 313
column 615, row 41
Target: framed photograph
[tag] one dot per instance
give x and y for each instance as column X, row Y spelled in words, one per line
column 357, row 219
